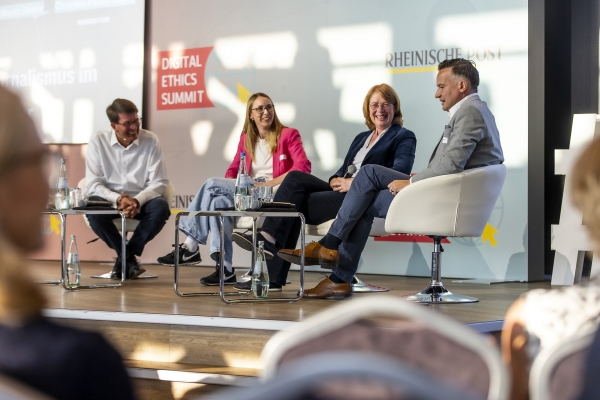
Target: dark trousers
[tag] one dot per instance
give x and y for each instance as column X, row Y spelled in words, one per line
column 315, row 199
column 152, row 216
column 368, row 197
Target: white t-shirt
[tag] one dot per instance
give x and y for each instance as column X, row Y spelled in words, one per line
column 262, row 163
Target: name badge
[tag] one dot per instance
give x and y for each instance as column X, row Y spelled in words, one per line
column 282, row 157
column 444, row 140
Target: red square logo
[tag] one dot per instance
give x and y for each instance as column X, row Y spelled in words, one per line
column 180, row 79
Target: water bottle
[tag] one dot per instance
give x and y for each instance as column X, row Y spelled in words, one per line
column 260, row 274
column 61, row 199
column 73, row 265
column 243, row 188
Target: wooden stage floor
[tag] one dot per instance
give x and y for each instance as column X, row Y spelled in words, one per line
column 197, row 345
column 156, row 296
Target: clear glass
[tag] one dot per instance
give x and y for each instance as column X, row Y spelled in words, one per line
column 77, row 197
column 61, row 198
column 260, row 274
column 243, row 188
column 265, row 193
column 73, row 265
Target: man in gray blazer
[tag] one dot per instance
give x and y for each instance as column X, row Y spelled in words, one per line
column 470, row 140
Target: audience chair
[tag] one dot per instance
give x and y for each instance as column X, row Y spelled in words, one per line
column 422, row 339
column 457, row 205
column 346, row 376
column 378, row 229
column 557, row 372
column 11, row 389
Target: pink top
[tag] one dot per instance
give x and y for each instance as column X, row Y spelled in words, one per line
column 289, row 155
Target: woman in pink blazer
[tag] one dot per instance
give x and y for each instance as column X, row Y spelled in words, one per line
column 272, row 150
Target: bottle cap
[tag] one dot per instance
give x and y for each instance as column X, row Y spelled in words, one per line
column 243, row 153
column 72, row 237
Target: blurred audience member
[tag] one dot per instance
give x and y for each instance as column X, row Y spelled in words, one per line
column 61, row 362
column 542, row 318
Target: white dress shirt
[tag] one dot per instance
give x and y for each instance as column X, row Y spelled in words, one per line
column 137, row 170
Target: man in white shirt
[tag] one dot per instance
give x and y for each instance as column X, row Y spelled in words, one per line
column 125, row 166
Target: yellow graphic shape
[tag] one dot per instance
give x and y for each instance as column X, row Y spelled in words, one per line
column 410, row 70
column 243, row 94
column 175, row 211
column 488, row 235
column 54, row 224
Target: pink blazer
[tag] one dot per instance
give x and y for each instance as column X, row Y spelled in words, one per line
column 289, row 155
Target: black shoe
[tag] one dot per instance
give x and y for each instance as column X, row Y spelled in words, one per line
column 213, row 279
column 116, row 271
column 186, row 257
column 244, row 240
column 247, row 286
column 134, row 269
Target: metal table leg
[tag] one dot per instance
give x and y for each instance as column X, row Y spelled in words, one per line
column 273, row 300
column 63, row 256
column 105, row 285
column 221, row 215
column 62, row 246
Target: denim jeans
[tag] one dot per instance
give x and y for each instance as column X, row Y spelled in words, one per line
column 215, row 193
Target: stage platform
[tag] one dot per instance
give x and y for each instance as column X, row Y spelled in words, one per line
column 178, row 347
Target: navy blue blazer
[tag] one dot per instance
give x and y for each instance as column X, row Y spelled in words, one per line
column 395, row 150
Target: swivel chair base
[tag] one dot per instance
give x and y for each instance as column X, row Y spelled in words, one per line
column 440, row 295
column 436, row 293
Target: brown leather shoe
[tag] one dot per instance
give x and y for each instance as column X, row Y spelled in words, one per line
column 314, row 254
column 327, row 289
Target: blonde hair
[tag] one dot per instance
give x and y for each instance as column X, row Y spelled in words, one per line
column 20, row 298
column 585, row 189
column 252, row 134
column 390, row 95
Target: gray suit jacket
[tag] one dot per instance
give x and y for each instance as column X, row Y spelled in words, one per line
column 470, row 140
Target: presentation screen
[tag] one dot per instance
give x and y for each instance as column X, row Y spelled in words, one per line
column 69, row 59
column 317, row 61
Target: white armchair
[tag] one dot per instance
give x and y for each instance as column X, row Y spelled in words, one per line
column 457, row 205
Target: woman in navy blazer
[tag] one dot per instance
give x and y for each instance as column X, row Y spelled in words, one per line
column 386, row 143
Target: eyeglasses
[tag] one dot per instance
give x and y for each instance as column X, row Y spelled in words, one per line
column 136, row 121
column 385, row 106
column 261, row 109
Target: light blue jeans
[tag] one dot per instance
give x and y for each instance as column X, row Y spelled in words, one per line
column 215, row 193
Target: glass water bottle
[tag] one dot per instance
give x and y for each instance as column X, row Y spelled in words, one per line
column 260, row 274
column 73, row 265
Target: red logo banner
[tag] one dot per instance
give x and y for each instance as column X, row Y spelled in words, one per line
column 180, row 79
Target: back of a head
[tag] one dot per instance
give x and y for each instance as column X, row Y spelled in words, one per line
column 585, row 189
column 19, row 297
column 18, row 135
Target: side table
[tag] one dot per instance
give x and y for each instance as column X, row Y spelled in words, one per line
column 63, row 228
column 254, row 215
